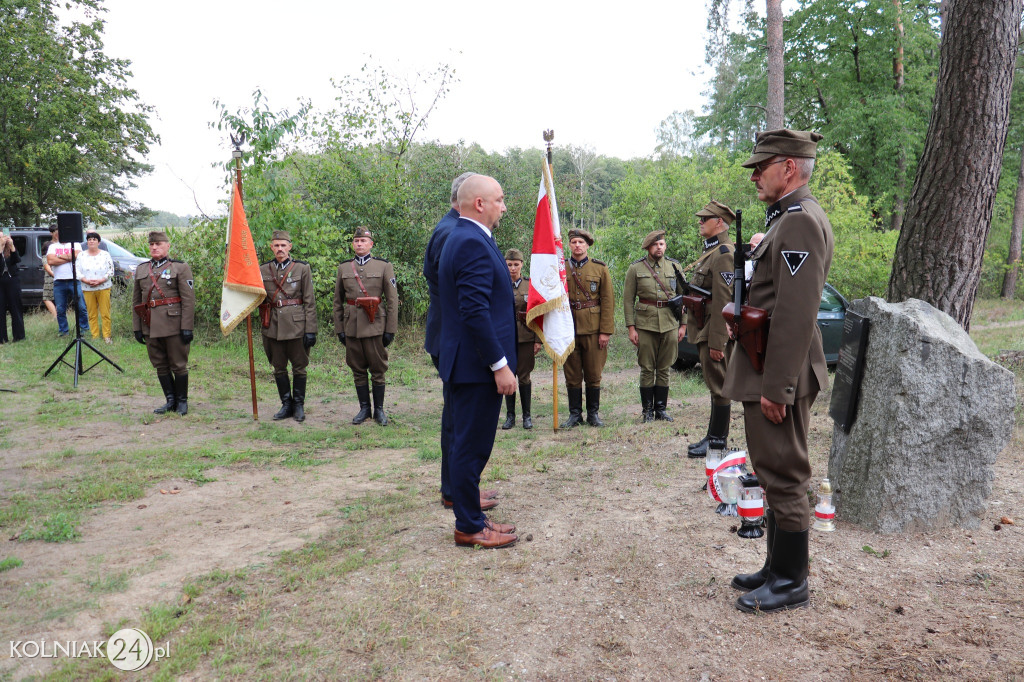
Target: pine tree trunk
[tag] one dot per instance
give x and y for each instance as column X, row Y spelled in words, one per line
column 900, row 185
column 1016, row 228
column 939, row 255
column 776, row 104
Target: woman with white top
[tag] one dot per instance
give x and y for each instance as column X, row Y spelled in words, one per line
column 95, row 270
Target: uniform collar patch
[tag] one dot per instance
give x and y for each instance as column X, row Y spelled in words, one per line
column 159, row 263
column 282, row 265
column 794, row 260
column 772, row 212
column 709, row 243
column 363, row 260
column 578, row 263
column 728, row 276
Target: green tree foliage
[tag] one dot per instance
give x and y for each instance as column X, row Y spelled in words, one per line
column 840, row 58
column 71, row 130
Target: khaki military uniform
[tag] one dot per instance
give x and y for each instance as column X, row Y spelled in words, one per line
column 292, row 314
column 791, row 265
column 592, row 300
column 364, row 347
column 526, row 336
column 646, row 307
column 713, row 272
column 158, row 285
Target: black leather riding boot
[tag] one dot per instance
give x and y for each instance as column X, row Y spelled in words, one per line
column 363, row 393
column 284, row 390
column 181, row 391
column 575, row 408
column 525, row 398
column 718, row 425
column 785, row 587
column 167, row 384
column 593, row 405
column 299, row 398
column 510, row 412
column 751, row 581
column 647, row 401
column 660, row 401
column 379, row 415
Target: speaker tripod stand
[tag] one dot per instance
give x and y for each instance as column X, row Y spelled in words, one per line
column 78, row 341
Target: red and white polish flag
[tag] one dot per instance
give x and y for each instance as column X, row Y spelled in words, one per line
column 547, row 304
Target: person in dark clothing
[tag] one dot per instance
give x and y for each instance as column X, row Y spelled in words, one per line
column 10, row 291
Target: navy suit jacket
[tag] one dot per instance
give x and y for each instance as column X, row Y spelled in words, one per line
column 478, row 316
column 431, row 261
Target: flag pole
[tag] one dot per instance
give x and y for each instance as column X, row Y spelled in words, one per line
column 237, row 155
column 549, row 139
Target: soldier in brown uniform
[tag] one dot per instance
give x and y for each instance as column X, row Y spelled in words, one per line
column 653, row 326
column 163, row 306
column 706, row 328
column 592, row 300
column 790, row 267
column 365, row 323
column 288, row 317
column 528, row 345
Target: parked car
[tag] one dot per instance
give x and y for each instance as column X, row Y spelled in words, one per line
column 29, row 242
column 831, row 315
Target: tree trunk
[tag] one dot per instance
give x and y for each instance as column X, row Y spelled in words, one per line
column 776, row 113
column 1016, row 228
column 939, row 254
column 899, row 206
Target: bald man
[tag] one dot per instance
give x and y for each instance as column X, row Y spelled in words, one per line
column 477, row 351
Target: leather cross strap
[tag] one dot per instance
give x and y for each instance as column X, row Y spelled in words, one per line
column 579, row 284
column 156, row 286
column 658, row 281
column 358, row 281
column 279, row 280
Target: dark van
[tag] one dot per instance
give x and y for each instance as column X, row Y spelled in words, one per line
column 30, row 240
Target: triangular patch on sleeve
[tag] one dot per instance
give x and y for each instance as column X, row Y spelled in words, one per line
column 794, row 259
column 728, row 276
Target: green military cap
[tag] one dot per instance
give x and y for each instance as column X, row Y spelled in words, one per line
column 652, row 237
column 280, row 235
column 362, row 232
column 514, row 254
column 582, row 234
column 157, row 236
column 783, row 142
column 716, row 209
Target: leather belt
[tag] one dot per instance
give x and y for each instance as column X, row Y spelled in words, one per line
column 163, row 301
column 579, row 305
column 350, row 301
column 656, row 304
column 521, row 316
column 287, row 302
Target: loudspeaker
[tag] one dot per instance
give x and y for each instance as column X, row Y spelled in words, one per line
column 69, row 227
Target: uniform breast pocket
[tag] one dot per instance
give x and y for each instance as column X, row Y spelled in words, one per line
column 173, row 311
column 592, row 285
column 298, row 318
column 700, row 279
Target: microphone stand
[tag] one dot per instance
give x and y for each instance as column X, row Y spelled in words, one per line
column 77, row 342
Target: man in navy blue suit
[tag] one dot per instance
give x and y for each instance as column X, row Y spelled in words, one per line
column 477, row 351
column 432, row 342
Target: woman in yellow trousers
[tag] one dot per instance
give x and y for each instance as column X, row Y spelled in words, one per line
column 96, row 270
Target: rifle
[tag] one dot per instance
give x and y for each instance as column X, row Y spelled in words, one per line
column 750, row 327
column 695, row 300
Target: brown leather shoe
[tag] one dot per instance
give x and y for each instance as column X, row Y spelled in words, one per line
column 500, row 527
column 486, row 538
column 484, row 503
column 488, row 494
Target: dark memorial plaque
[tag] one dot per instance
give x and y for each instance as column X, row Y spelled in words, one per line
column 849, row 370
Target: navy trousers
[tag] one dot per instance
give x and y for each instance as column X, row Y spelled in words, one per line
column 477, row 407
column 446, row 434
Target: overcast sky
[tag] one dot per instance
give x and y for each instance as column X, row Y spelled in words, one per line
column 603, row 78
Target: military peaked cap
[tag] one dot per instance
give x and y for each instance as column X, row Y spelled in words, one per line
column 280, row 235
column 783, row 142
column 156, row 236
column 717, row 209
column 582, row 234
column 652, row 237
column 362, row 232
column 514, row 254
